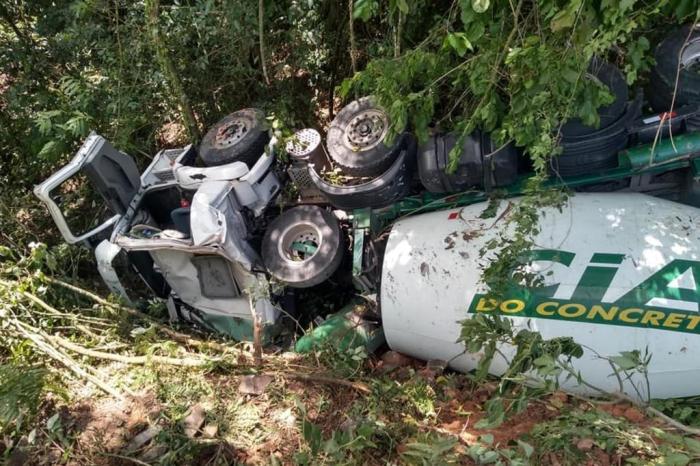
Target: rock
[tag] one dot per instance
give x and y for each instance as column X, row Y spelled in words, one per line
column 254, row 384
column 632, row 414
column 154, row 452
column 210, row 431
column 585, row 444
column 193, row 420
column 392, row 359
column 143, row 438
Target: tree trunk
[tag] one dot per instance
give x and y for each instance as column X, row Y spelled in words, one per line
column 261, row 37
column 168, row 69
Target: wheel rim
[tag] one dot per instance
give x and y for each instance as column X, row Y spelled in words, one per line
column 232, row 132
column 367, row 129
column 299, row 243
column 690, row 58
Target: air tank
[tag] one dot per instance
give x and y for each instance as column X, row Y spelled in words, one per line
column 620, row 273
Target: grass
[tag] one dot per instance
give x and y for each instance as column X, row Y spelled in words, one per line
column 410, row 415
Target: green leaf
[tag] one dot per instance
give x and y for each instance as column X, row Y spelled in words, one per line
column 403, row 6
column 693, row 445
column 626, row 5
column 312, row 434
column 459, row 42
column 566, row 17
column 675, row 459
column 624, row 362
column 480, row 6
column 364, row 9
column 527, row 448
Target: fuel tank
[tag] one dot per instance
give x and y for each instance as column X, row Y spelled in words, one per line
column 620, row 272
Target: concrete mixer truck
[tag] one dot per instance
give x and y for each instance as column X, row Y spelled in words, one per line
column 236, row 239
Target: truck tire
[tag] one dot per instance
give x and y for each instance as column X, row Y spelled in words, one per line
column 238, row 137
column 598, row 151
column 385, row 189
column 610, row 76
column 672, row 50
column 303, row 246
column 356, row 139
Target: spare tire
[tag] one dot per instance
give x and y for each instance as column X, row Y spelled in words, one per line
column 356, row 139
column 303, row 246
column 611, row 77
column 389, row 187
column 597, row 152
column 238, row 137
column 671, row 52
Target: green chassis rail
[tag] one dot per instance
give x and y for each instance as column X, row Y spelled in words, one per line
column 665, row 155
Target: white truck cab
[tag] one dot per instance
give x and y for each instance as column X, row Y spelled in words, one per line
column 183, row 227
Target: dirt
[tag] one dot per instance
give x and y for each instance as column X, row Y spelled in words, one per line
column 465, row 408
column 111, row 424
column 103, row 427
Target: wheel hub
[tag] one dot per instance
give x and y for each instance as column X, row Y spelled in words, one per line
column 367, row 129
column 300, row 243
column 231, row 133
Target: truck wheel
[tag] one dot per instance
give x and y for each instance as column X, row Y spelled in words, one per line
column 611, row 77
column 238, row 137
column 303, row 246
column 389, row 187
column 356, row 139
column 670, row 52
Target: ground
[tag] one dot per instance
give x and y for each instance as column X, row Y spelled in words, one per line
column 223, row 416
column 154, row 393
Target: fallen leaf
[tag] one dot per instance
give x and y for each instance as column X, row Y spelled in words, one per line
column 193, row 420
column 585, row 444
column 210, row 430
column 143, row 438
column 254, row 384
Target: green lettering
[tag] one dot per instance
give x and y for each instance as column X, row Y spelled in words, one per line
column 657, row 286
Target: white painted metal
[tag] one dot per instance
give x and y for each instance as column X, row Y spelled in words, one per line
column 43, row 192
column 432, row 269
column 105, row 253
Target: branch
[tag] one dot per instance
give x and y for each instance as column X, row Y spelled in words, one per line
column 353, row 47
column 140, row 360
column 168, row 69
column 177, row 336
column 67, row 361
column 359, row 386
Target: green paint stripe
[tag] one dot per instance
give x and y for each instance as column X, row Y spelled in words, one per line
column 603, row 314
column 603, row 258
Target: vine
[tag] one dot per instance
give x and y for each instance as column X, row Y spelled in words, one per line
column 517, row 70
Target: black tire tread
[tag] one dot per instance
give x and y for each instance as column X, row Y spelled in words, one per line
column 663, row 76
column 611, row 76
column 247, row 150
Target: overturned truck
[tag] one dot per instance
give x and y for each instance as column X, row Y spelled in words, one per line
column 218, row 233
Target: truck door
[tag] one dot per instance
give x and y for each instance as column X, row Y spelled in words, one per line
column 110, row 173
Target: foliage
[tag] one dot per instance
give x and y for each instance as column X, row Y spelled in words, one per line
column 346, row 361
column 517, row 70
column 534, row 361
column 339, row 448
column 685, row 410
column 20, row 392
column 613, row 435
